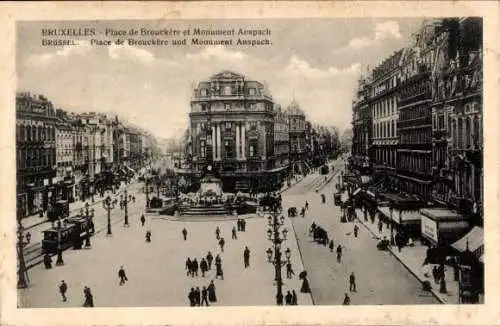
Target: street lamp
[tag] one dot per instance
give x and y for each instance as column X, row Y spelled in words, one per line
column 22, row 280
column 125, row 202
column 90, row 216
column 108, row 205
column 278, row 264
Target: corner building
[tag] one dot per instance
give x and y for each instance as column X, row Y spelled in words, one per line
column 232, row 131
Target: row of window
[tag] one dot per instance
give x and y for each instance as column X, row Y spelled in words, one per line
column 27, row 158
column 231, row 90
column 415, row 112
column 385, row 107
column 387, row 156
column 416, row 136
column 466, row 132
column 229, row 149
column 35, row 133
column 417, row 163
column 385, row 129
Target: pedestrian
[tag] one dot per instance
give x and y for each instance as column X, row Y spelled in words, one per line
column 210, row 258
column 89, row 298
column 191, row 295
column 219, row 271
column 238, row 223
column 365, row 214
column 133, row 199
column 148, row 236
column 63, row 287
column 47, row 261
column 184, row 233
column 203, row 267
column 217, row 233
column 331, row 246
column 307, row 205
column 288, row 298
column 28, row 237
column 279, row 299
column 188, row 266
column 380, row 225
column 143, row 220
column 289, row 270
column 339, row 253
column 246, row 257
column 212, row 297
column 221, row 244
column 305, row 286
column 243, row 225
column 356, row 228
column 197, row 296
column 218, row 260
column 347, row 300
column 294, row 298
column 234, row 236
column 122, row 276
column 204, row 296
column 194, row 266
column 352, row 282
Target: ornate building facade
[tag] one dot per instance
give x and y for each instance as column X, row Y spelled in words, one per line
column 362, row 129
column 299, row 138
column 232, row 132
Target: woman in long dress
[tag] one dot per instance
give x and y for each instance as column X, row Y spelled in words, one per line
column 211, row 292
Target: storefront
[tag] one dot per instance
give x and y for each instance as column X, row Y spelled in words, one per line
column 441, row 226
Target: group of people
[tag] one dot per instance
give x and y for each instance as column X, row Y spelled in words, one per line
column 205, row 265
column 207, row 294
column 87, row 293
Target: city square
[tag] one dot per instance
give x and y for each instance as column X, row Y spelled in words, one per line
column 375, row 201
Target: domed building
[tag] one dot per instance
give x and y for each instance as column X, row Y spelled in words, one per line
column 232, row 132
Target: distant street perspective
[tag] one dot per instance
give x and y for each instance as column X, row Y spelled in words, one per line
column 253, row 199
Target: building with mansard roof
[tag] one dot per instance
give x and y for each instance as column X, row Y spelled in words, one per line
column 231, row 133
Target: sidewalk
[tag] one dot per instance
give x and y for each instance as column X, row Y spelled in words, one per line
column 412, row 258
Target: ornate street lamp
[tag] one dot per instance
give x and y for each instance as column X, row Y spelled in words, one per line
column 108, row 205
column 22, row 276
column 125, row 202
column 278, row 264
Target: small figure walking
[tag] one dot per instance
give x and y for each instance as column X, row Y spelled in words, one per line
column 210, row 258
column 217, row 233
column 143, row 219
column 194, row 267
column 288, row 298
column 234, row 235
column 148, row 236
column 352, row 282
column 89, row 299
column 63, row 287
column 243, row 225
column 203, row 267
column 28, row 238
column 289, row 270
column 294, row 298
column 246, row 257
column 339, row 253
column 347, row 300
column 204, row 296
column 184, row 234
column 189, row 266
column 356, row 229
column 197, row 296
column 211, row 292
column 307, row 205
column 380, row 225
column 191, row 297
column 47, row 261
column 331, row 246
column 221, row 244
column 219, row 271
column 122, row 276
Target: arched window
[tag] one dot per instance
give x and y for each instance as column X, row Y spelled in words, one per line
column 40, row 131
column 53, row 130
column 460, row 135
column 468, row 135
column 28, row 132
column 477, row 132
column 33, row 133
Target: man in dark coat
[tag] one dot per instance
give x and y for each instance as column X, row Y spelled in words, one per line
column 184, row 233
column 210, row 258
column 194, row 266
column 331, row 246
column 356, row 229
column 352, row 282
column 238, row 224
column 234, row 235
column 89, row 298
column 289, row 270
column 188, row 266
column 219, row 271
column 197, row 296
column 204, row 296
column 246, row 257
column 47, row 261
column 143, row 219
column 243, row 225
column 203, row 267
column 63, row 287
column 122, row 276
column 288, row 298
column 217, row 233
column 294, row 298
column 221, row 244
column 347, row 300
column 191, row 295
column 339, row 253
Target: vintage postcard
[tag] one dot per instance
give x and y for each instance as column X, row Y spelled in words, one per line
column 194, row 163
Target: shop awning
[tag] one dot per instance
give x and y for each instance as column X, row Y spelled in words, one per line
column 357, row 191
column 401, row 216
column 473, row 240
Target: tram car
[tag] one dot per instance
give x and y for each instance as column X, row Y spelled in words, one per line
column 70, row 234
column 60, row 209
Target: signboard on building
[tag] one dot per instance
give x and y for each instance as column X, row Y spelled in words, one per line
column 429, row 228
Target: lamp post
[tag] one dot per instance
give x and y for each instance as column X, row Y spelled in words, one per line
column 273, row 235
column 125, row 204
column 108, row 205
column 22, row 280
column 89, row 223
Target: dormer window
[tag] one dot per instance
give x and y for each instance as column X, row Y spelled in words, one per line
column 251, row 91
column 203, row 92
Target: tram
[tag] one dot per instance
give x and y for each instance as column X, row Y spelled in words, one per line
column 70, row 234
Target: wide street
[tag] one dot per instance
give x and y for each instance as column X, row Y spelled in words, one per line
column 157, row 275
column 380, row 278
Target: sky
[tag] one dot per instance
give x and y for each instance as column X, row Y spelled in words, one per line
column 316, row 61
